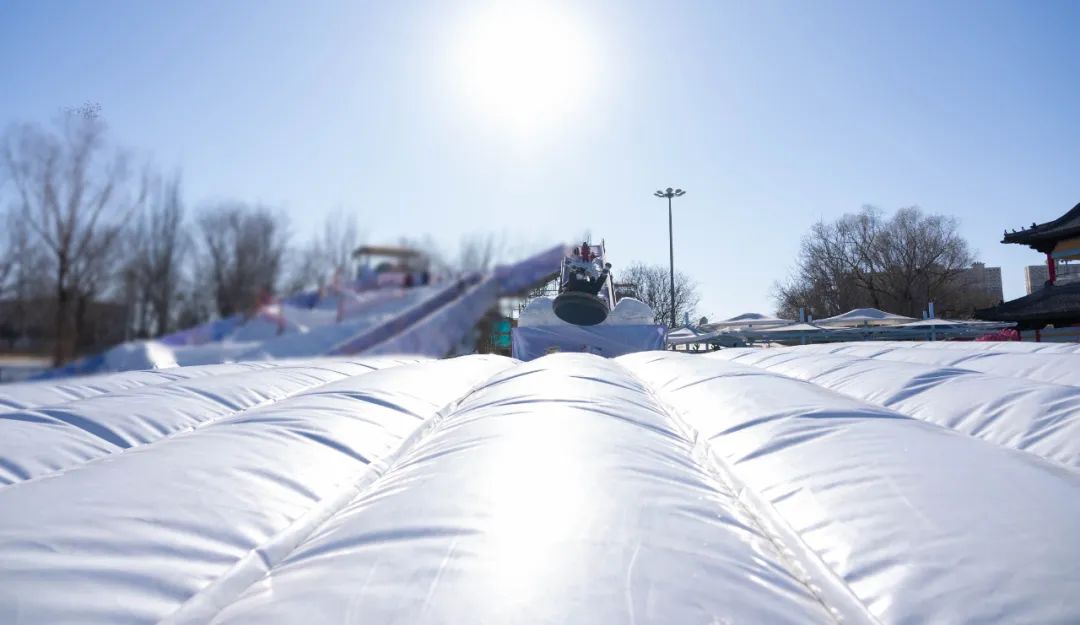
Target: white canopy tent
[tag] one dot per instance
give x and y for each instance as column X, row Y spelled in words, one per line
column 794, row 329
column 749, row 320
column 864, row 317
column 935, row 323
column 860, row 324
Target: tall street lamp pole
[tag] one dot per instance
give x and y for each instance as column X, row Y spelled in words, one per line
column 670, row 193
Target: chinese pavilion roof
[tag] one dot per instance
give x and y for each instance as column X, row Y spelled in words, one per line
column 1056, row 304
column 1043, row 237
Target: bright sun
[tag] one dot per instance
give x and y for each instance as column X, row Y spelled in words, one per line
column 525, row 64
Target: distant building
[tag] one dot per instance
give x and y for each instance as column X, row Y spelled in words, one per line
column 984, row 280
column 1036, row 276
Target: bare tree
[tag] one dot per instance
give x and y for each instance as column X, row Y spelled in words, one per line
column 307, row 268
column 436, row 259
column 194, row 304
column 73, row 193
column 326, row 254
column 652, row 285
column 21, row 267
column 9, row 259
column 341, row 236
column 479, row 252
column 159, row 247
column 243, row 248
column 865, row 259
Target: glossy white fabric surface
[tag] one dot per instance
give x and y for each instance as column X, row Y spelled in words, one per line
column 34, row 394
column 560, row 492
column 921, row 523
column 1003, row 346
column 1036, row 417
column 171, row 528
column 1054, row 363
column 47, row 439
column 756, row 486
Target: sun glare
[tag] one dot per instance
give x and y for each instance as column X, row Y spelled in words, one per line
column 525, row 64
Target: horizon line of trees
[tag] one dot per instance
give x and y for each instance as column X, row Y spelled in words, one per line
column 897, row 263
column 652, row 285
column 83, row 223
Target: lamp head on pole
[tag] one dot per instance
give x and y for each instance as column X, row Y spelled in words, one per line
column 670, row 193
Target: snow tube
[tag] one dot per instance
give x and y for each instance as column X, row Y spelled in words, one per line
column 580, row 309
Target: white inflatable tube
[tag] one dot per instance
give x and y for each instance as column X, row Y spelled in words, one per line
column 558, row 492
column 922, row 524
column 1036, row 417
column 172, row 530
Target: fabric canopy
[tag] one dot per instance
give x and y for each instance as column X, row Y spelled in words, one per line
column 750, row 320
column 793, row 329
column 864, row 316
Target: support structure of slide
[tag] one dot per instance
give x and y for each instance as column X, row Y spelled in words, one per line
column 425, row 320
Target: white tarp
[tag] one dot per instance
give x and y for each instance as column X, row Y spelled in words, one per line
column 919, row 523
column 1059, row 366
column 1040, row 418
column 751, row 486
column 560, row 492
column 864, row 317
column 46, row 440
column 749, row 321
column 169, row 528
column 32, row 394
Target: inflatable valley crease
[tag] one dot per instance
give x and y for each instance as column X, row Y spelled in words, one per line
column 846, row 483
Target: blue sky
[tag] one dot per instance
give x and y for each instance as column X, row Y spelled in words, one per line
column 771, row 114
